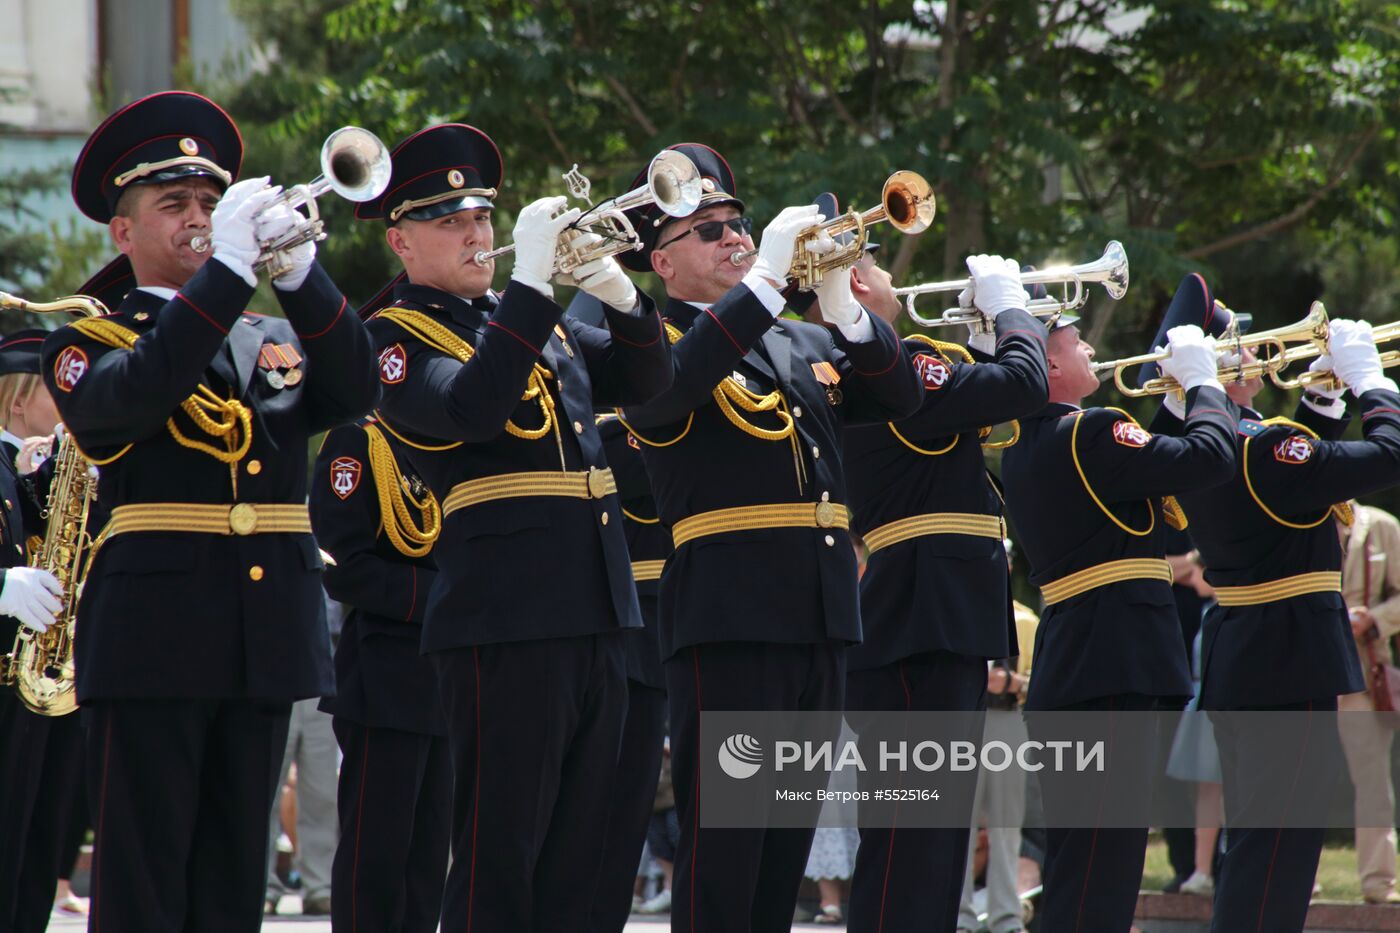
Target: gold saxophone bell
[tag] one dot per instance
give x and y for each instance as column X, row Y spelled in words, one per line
column 907, row 202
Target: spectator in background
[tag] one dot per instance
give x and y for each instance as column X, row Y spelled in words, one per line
column 1180, row 840
column 663, row 835
column 1001, row 795
column 1371, row 588
column 1194, row 757
column 312, row 747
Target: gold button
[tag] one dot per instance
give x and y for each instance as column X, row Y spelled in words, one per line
column 9, row 504
column 826, row 497
column 255, row 573
column 816, row 452
column 254, row 467
column 578, row 428
column 797, row 412
column 605, row 518
column 830, row 541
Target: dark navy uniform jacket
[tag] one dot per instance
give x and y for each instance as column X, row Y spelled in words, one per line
column 943, row 592
column 787, row 585
column 1122, row 637
column 178, row 614
column 1301, row 648
column 528, row 567
column 647, row 540
column 381, row 679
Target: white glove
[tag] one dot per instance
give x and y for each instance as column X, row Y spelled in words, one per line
column 1324, row 364
column 31, row 596
column 821, row 244
column 275, row 222
column 234, row 233
column 1354, row 357
column 33, row 452
column 1193, row 358
column 536, row 239
column 838, row 305
column 605, row 280
column 996, row 285
column 780, row 241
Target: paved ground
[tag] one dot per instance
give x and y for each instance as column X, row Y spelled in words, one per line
column 298, row 924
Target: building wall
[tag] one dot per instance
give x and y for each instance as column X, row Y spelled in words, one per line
column 62, row 52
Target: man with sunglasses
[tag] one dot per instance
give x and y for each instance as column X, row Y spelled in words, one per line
column 758, row 602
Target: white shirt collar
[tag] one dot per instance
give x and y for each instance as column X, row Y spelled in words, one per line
column 163, row 293
column 8, row 438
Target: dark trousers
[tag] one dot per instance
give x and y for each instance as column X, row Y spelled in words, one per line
column 180, row 791
column 1266, row 875
column 632, row 798
column 40, row 770
column 534, row 730
column 394, row 801
column 740, row 880
column 912, row 878
column 1092, row 874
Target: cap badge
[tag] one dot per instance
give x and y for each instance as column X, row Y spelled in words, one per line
column 189, row 147
column 455, row 179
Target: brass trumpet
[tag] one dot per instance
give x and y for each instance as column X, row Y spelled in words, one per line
column 906, row 201
column 1110, row 270
column 1276, row 350
column 355, row 164
column 673, row 185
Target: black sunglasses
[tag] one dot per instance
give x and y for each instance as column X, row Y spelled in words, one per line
column 712, row 230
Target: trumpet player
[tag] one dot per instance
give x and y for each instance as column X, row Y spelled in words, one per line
column 1279, row 637
column 935, row 597
column 201, row 618
column 1085, row 488
column 493, row 397
column 744, row 455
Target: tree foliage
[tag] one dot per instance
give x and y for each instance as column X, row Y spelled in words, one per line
column 1246, row 140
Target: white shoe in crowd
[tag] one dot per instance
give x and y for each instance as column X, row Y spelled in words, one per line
column 1200, row 884
column 660, row 904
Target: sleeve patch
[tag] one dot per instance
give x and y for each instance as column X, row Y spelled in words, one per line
column 1130, row 435
column 345, row 476
column 70, row 366
column 393, row 365
column 1295, row 449
column 933, row 372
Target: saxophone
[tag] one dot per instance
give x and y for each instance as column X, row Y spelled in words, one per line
column 40, row 666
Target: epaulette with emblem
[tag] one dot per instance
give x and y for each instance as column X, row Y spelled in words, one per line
column 1250, row 428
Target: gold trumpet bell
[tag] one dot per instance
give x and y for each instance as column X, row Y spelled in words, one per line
column 908, row 202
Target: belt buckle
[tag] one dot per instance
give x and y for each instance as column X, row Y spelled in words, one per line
column 597, row 483
column 243, row 518
column 826, row 514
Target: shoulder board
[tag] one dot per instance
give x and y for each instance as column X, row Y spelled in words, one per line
column 1249, row 428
